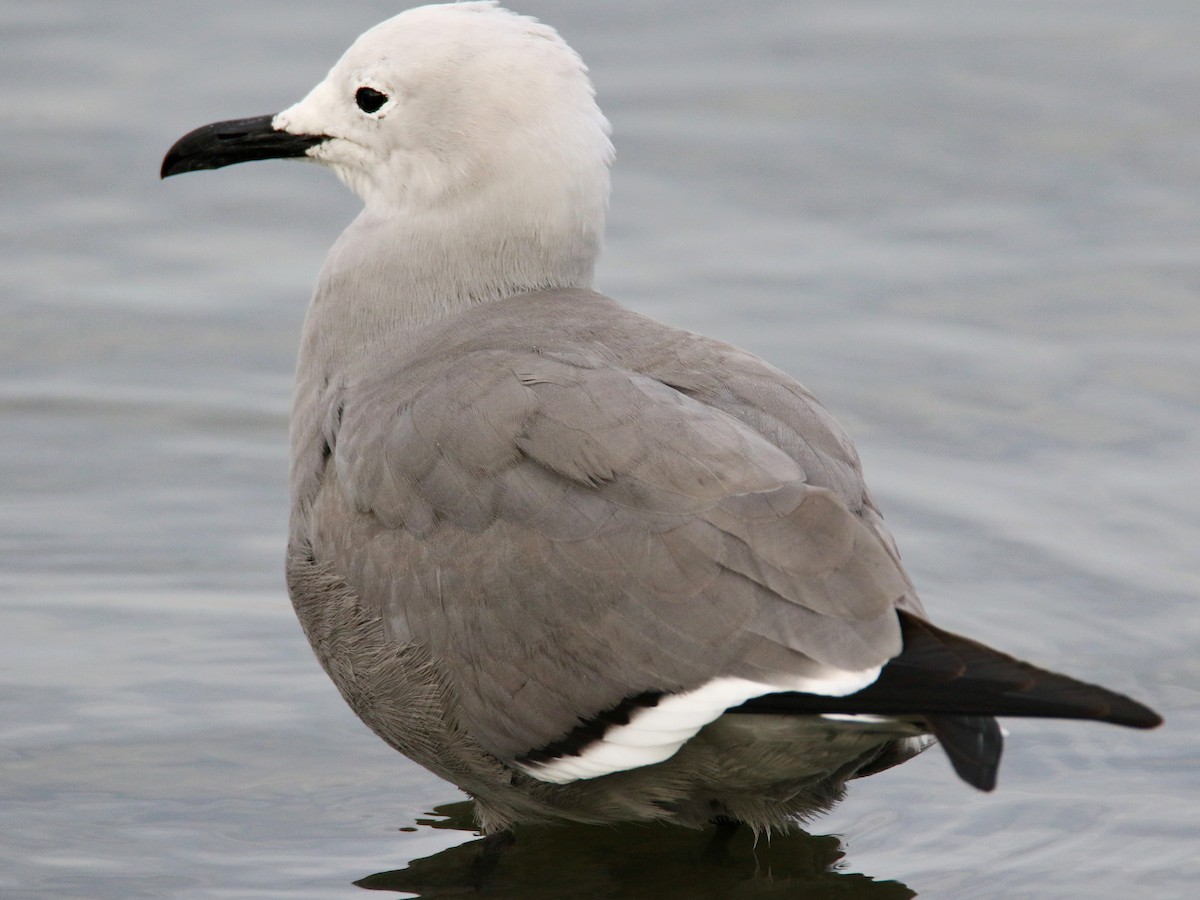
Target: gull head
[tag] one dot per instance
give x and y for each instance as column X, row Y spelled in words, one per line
column 443, row 108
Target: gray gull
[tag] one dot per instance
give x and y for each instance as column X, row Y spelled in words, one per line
column 583, row 565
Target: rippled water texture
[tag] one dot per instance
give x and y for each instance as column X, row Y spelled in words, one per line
column 972, row 229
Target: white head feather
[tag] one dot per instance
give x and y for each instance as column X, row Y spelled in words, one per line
column 484, row 173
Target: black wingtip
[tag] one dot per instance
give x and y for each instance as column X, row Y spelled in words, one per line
column 1130, row 713
column 965, row 677
column 959, row 686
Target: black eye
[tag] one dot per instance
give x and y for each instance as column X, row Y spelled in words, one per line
column 369, row 100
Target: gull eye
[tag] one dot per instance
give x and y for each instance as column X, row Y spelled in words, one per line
column 369, row 100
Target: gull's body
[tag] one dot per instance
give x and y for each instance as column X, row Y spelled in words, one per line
column 580, row 563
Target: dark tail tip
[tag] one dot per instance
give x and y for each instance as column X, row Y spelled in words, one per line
column 973, row 744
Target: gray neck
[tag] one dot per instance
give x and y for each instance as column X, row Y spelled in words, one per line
column 384, row 277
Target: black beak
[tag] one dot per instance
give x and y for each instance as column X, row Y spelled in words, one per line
column 240, row 140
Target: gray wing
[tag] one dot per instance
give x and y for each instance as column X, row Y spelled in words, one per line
column 561, row 532
column 785, row 413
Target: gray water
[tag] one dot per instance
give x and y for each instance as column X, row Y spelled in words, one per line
column 972, row 229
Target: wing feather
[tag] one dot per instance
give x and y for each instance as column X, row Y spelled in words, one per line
column 562, row 529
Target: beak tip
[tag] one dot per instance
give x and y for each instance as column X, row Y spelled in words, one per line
column 176, row 164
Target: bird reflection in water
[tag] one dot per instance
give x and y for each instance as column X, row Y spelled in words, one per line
column 630, row 862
